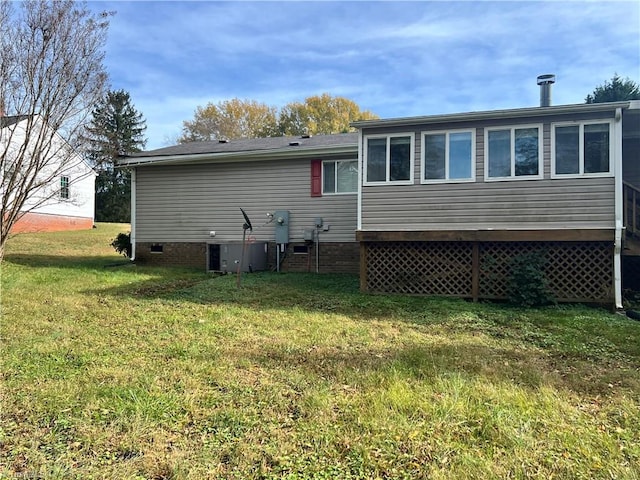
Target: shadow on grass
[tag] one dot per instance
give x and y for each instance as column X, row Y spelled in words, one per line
column 313, row 293
column 575, row 347
column 484, row 364
column 66, row 261
column 576, row 339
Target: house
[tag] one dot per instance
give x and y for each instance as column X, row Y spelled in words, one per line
column 65, row 200
column 446, row 202
column 186, row 202
column 436, row 205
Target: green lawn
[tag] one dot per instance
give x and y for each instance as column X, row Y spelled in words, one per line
column 111, row 370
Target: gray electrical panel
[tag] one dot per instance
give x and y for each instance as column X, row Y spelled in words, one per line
column 281, row 219
column 309, row 235
column 226, row 257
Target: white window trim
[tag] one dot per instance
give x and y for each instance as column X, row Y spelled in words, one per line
column 389, row 136
column 513, row 176
column 581, row 125
column 355, row 192
column 447, row 133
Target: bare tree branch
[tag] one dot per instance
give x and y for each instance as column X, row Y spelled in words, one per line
column 51, row 76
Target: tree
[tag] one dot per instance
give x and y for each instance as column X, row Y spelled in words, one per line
column 321, row 115
column 230, row 119
column 116, row 129
column 617, row 90
column 236, row 118
column 51, row 74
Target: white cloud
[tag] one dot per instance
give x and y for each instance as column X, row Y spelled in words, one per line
column 394, row 58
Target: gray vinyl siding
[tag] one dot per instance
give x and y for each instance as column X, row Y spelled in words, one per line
column 184, row 203
column 513, row 204
column 530, row 204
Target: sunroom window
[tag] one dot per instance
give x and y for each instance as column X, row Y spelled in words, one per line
column 447, row 156
column 339, row 176
column 513, row 153
column 581, row 149
column 389, row 159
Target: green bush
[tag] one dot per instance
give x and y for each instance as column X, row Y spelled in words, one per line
column 122, row 244
column 527, row 283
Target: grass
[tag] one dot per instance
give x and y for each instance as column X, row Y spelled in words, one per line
column 112, row 370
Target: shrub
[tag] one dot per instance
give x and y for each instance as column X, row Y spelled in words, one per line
column 122, row 244
column 527, row 282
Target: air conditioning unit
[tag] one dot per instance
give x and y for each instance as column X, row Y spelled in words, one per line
column 226, row 257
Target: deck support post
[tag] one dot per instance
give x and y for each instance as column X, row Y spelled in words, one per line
column 475, row 272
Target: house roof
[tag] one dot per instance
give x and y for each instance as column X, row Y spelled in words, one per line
column 11, row 120
column 247, row 148
column 496, row 114
column 338, row 144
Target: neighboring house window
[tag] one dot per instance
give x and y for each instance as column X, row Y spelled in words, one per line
column 581, row 149
column 448, row 156
column 389, row 158
column 513, row 153
column 339, row 176
column 64, row 188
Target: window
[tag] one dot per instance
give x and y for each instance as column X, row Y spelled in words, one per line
column 448, row 156
column 340, row 176
column 389, row 158
column 64, row 188
column 513, row 153
column 581, row 149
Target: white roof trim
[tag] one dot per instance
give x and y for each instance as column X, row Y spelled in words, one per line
column 497, row 114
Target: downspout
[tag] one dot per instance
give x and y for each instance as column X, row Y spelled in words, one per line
column 133, row 214
column 617, row 165
column 360, row 176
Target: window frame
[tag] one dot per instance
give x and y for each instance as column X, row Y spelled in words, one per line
column 581, row 124
column 335, row 169
column 447, row 134
column 388, row 137
column 65, row 192
column 512, row 128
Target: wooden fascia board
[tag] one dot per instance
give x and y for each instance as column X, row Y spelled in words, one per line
column 592, row 235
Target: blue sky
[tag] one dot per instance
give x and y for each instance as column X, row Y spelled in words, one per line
column 395, row 59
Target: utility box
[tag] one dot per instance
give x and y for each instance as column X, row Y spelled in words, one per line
column 309, row 235
column 226, row 257
column 281, row 218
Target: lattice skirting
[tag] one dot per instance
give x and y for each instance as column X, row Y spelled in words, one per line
column 575, row 271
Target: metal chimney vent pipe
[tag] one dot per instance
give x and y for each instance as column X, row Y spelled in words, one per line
column 545, row 82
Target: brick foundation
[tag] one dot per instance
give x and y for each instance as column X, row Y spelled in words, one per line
column 333, row 258
column 39, row 222
column 172, row 254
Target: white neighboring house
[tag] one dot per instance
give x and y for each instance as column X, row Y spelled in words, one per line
column 66, row 201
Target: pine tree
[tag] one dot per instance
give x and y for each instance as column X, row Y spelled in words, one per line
column 116, row 129
column 618, row 89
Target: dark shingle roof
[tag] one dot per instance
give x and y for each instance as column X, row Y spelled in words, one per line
column 7, row 121
column 251, row 145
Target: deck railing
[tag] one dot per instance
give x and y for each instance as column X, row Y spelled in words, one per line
column 631, row 214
